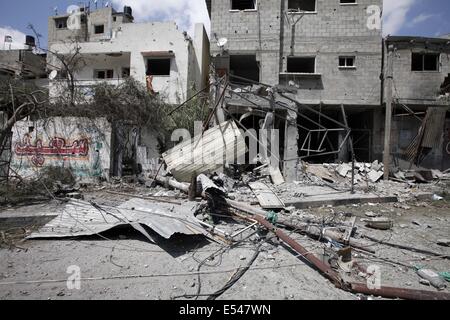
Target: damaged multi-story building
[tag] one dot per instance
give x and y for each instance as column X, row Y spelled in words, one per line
column 114, row 47
column 325, row 61
column 417, row 82
column 110, row 47
column 326, row 52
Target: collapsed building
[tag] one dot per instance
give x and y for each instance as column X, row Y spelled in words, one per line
column 320, row 67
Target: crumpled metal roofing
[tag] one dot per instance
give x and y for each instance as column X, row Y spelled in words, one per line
column 81, row 218
column 206, row 153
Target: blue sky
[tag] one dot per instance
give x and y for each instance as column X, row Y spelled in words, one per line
column 402, row 17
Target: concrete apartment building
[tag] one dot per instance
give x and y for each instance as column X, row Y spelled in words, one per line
column 325, row 49
column 331, row 53
column 113, row 47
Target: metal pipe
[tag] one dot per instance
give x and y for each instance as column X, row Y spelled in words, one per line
column 398, row 293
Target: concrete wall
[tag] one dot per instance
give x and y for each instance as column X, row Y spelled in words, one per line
column 103, row 62
column 199, row 70
column 418, row 87
column 332, row 31
column 56, row 35
column 31, row 151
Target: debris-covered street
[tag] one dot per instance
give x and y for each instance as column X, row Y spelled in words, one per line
column 122, row 263
column 242, row 150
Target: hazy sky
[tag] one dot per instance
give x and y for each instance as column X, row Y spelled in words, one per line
column 401, row 17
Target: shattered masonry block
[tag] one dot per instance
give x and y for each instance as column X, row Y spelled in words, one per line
column 374, row 176
column 343, row 170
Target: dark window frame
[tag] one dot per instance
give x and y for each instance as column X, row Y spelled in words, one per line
column 292, row 9
column 255, row 7
column 96, row 31
column 108, row 74
column 61, row 23
column 161, row 70
column 289, row 59
column 419, row 62
column 346, row 65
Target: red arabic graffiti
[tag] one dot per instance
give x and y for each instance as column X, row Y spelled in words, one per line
column 56, row 147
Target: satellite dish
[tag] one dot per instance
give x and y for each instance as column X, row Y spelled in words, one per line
column 73, row 9
column 53, row 75
column 222, row 42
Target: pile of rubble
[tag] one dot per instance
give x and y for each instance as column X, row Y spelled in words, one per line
column 372, row 172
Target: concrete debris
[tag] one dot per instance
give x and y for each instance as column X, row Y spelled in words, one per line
column 371, row 214
column 343, row 170
column 379, row 223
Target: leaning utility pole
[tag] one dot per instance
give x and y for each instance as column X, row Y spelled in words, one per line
column 387, row 127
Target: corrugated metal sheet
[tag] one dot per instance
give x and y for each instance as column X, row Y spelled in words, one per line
column 206, row 154
column 434, row 127
column 80, row 218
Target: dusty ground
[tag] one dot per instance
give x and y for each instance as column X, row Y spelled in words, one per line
column 123, row 265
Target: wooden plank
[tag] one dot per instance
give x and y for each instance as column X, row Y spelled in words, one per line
column 266, row 197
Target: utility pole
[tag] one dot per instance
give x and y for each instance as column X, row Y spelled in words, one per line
column 389, row 78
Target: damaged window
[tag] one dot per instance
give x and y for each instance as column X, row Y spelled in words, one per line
column 348, row 1
column 302, row 5
column 425, row 62
column 158, row 67
column 301, row 64
column 61, row 23
column 99, row 29
column 243, row 4
column 125, row 72
column 244, row 67
column 104, row 74
column 347, row 62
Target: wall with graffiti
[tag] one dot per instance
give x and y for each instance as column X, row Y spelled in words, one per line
column 81, row 144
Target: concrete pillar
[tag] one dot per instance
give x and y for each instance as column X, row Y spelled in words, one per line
column 344, row 154
column 291, row 145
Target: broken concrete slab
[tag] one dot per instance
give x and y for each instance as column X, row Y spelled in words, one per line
column 343, row 170
column 266, row 197
column 375, row 176
column 338, row 200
